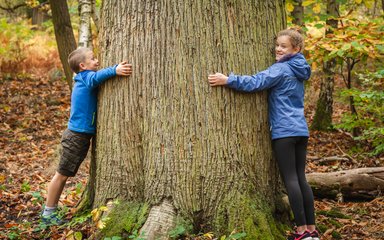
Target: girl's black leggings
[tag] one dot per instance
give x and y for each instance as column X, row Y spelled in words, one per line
column 291, row 154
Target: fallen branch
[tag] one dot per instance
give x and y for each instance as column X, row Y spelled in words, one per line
column 361, row 183
column 329, row 159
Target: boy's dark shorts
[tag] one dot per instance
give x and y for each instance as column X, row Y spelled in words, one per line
column 75, row 148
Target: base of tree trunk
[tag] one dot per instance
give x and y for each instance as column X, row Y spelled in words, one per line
column 249, row 214
column 160, row 221
column 237, row 214
column 361, row 183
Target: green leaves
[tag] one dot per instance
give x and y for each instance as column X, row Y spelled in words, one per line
column 370, row 105
column 25, row 187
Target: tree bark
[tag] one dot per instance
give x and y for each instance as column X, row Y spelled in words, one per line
column 361, row 183
column 324, row 108
column 382, row 5
column 85, row 32
column 95, row 15
column 39, row 16
column 298, row 13
column 165, row 137
column 64, row 35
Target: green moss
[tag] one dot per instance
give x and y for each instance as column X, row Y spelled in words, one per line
column 334, row 212
column 335, row 223
column 125, row 218
column 84, row 205
column 250, row 215
column 322, row 228
column 336, row 235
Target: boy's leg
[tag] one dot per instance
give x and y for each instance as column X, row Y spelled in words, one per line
column 55, row 189
column 75, row 148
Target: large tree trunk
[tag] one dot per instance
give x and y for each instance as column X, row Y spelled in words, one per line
column 361, row 183
column 165, row 137
column 64, row 35
column 324, row 109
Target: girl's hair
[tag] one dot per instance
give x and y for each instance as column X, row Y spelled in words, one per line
column 295, row 36
column 76, row 57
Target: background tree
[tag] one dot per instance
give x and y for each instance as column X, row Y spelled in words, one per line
column 324, row 108
column 64, row 35
column 11, row 8
column 298, row 13
column 85, row 32
column 167, row 140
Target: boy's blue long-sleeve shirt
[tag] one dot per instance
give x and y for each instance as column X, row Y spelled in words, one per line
column 84, row 99
column 285, row 81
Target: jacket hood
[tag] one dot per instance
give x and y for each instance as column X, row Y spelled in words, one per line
column 299, row 66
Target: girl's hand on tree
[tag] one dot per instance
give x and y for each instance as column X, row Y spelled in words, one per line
column 124, row 69
column 217, row 79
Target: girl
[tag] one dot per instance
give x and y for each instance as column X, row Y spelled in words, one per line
column 285, row 81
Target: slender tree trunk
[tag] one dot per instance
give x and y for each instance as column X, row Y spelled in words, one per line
column 324, row 109
column 165, row 137
column 64, row 35
column 85, row 33
column 95, row 15
column 298, row 13
column 382, row 5
column 39, row 16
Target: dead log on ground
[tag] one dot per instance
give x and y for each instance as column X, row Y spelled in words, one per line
column 361, row 183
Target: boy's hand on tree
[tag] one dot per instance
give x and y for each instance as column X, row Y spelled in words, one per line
column 124, row 69
column 217, row 79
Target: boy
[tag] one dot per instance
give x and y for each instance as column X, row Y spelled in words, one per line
column 81, row 125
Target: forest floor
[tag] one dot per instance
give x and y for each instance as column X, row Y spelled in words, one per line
column 34, row 112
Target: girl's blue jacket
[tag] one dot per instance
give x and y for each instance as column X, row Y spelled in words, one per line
column 84, row 99
column 285, row 81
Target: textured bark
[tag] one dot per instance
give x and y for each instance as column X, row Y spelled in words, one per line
column 164, row 134
column 324, row 109
column 366, row 183
column 160, row 220
column 382, row 5
column 39, row 16
column 95, row 15
column 85, row 33
column 64, row 35
column 298, row 13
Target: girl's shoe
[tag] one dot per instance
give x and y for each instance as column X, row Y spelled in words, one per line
column 315, row 235
column 304, row 236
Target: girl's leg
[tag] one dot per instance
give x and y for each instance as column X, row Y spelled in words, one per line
column 285, row 154
column 308, row 200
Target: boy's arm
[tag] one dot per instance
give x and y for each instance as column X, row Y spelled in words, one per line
column 94, row 79
column 258, row 82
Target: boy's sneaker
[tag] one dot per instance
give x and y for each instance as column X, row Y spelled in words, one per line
column 52, row 219
column 304, row 236
column 315, row 235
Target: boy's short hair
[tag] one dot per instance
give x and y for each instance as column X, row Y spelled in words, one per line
column 76, row 57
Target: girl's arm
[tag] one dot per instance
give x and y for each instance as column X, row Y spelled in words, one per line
column 260, row 81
